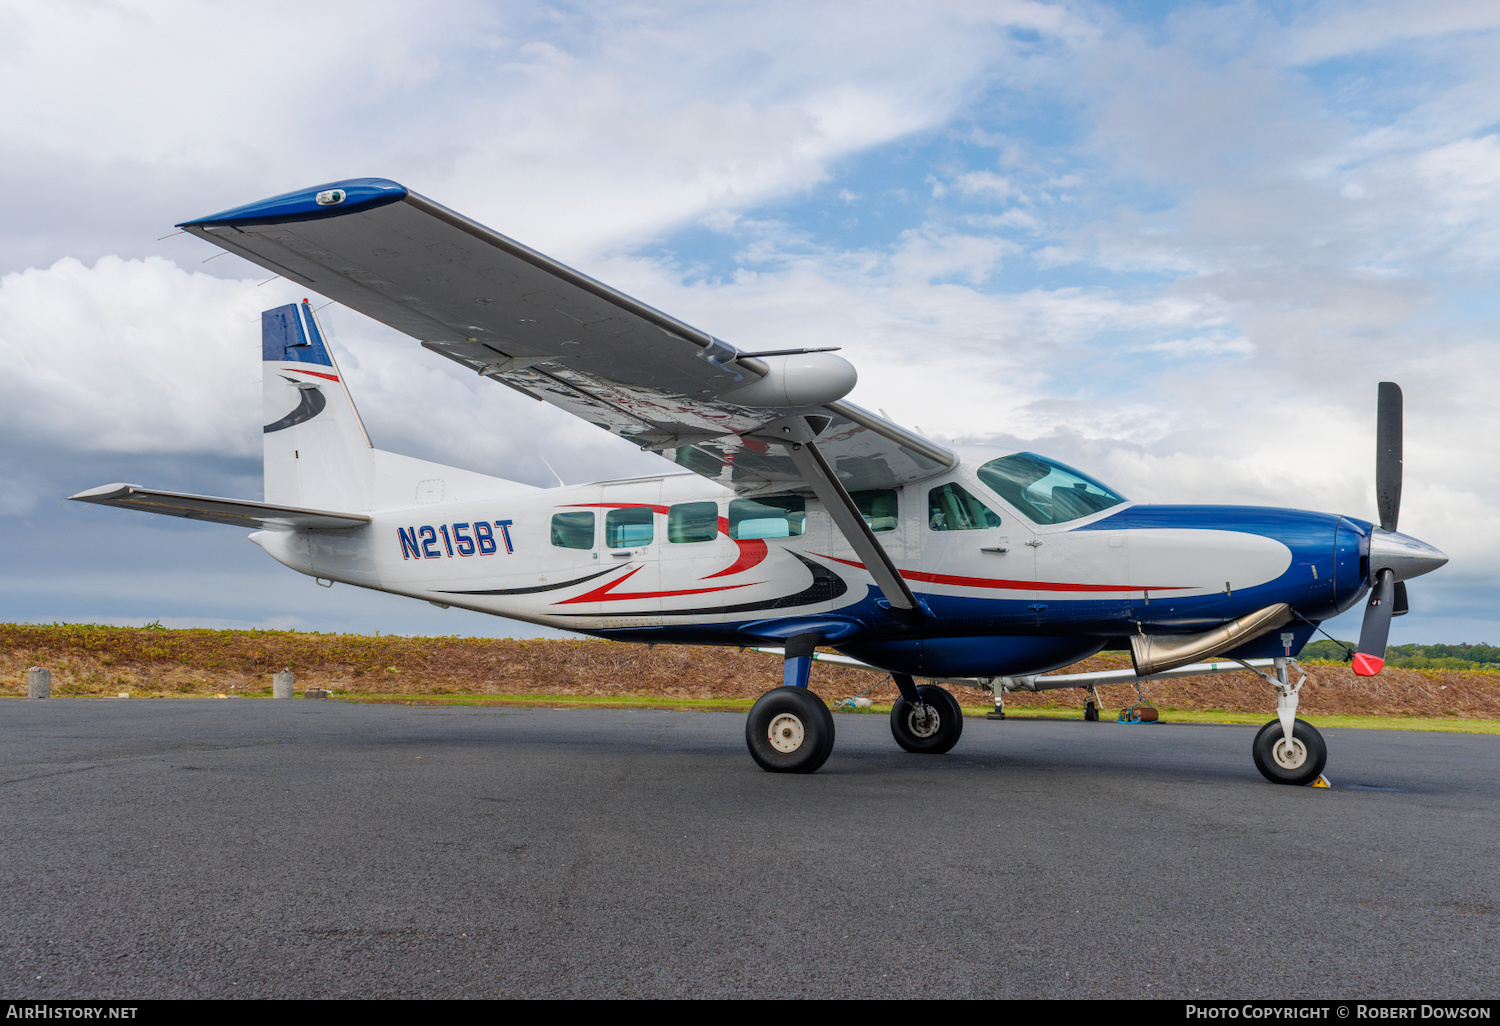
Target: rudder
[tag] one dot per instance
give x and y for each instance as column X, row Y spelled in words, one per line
column 317, row 452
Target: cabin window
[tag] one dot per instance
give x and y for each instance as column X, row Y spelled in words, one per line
column 1044, row 490
column 693, row 522
column 771, row 516
column 878, row 507
column 628, row 528
column 573, row 530
column 950, row 507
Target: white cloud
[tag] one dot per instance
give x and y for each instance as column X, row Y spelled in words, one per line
column 1436, row 206
column 571, row 132
column 932, row 254
column 985, row 184
column 1201, row 345
column 1337, row 29
column 1015, row 217
column 130, row 356
column 143, row 357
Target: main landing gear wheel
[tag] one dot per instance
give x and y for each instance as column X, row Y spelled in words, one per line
column 1299, row 763
column 790, row 730
column 931, row 728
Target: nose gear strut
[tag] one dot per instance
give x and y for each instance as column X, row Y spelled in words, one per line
column 1288, row 750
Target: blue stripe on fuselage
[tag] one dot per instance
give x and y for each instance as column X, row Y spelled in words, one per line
column 1288, row 526
column 1313, row 539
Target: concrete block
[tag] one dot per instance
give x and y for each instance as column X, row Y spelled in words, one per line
column 38, row 682
column 281, row 684
column 315, row 693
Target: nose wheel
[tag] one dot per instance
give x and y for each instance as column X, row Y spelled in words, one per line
column 1300, row 762
column 789, row 730
column 1288, row 750
column 929, row 726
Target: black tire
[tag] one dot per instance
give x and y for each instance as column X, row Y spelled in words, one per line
column 1314, row 754
column 807, row 714
column 1091, row 712
column 934, row 739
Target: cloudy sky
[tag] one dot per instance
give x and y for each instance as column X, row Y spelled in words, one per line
column 1174, row 244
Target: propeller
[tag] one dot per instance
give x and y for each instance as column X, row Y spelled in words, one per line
column 1376, row 628
column 1387, row 595
column 1388, row 454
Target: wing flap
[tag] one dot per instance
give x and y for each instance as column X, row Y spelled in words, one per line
column 235, row 512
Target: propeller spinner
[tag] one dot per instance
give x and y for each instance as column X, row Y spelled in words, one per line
column 1394, row 557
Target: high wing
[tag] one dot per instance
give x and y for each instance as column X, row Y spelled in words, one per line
column 514, row 315
column 235, row 512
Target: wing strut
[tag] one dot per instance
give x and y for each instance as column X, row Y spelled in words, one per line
column 796, row 435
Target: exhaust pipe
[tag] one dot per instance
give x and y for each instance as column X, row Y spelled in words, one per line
column 1155, row 653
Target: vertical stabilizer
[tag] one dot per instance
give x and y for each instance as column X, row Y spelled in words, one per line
column 317, row 454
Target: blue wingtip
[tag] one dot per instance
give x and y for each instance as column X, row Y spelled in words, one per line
column 330, row 200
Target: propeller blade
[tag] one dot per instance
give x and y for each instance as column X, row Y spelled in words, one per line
column 1398, row 605
column 1388, row 454
column 1377, row 626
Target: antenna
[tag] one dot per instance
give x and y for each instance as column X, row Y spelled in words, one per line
column 561, row 483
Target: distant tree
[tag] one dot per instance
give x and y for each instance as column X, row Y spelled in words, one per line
column 1331, row 651
column 1415, row 657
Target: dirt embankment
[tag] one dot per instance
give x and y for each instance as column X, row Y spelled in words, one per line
column 88, row 660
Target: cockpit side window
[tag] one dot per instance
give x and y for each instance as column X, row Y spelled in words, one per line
column 950, row 507
column 878, row 507
column 1045, row 491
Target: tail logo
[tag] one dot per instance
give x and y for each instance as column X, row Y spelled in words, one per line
column 310, row 405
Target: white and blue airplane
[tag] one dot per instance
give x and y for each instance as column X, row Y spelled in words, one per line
column 789, row 517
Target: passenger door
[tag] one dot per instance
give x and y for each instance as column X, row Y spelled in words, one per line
column 571, row 566
column 632, row 536
column 972, row 548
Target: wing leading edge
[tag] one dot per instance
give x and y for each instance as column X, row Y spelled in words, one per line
column 514, row 315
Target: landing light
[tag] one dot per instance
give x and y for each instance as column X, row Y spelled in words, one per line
column 329, row 197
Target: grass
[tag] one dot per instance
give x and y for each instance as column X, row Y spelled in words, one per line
column 92, row 660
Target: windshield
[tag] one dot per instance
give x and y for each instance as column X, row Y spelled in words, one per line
column 1046, row 491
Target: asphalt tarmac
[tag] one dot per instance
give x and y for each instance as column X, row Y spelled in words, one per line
column 253, row 848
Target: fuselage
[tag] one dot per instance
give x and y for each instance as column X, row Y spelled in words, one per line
column 677, row 558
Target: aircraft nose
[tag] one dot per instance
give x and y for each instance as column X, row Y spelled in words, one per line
column 1405, row 556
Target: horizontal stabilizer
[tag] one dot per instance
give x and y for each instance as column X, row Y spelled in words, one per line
column 236, row 512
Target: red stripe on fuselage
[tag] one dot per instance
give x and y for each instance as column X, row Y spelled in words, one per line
column 752, row 553
column 986, row 582
column 603, row 594
column 619, row 505
column 316, row 374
